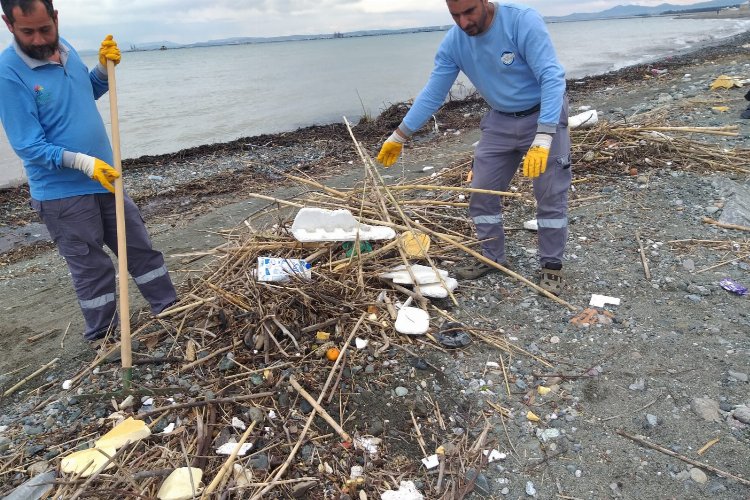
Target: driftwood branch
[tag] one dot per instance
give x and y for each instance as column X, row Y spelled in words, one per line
column 696, row 463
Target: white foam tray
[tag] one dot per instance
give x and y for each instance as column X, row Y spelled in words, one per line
column 319, row 224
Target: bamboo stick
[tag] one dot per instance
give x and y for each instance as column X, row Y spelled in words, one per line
column 207, row 402
column 459, row 189
column 696, row 463
column 224, row 468
column 22, row 382
column 729, row 130
column 644, row 261
column 323, row 413
column 737, row 227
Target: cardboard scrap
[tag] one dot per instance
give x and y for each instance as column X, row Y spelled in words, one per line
column 590, row 316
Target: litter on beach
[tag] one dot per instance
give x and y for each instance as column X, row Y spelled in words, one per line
column 725, row 82
column 278, row 269
column 586, row 119
column 603, row 300
column 411, row 320
column 732, row 286
column 319, row 224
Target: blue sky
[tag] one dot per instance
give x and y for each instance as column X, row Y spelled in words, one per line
column 85, row 22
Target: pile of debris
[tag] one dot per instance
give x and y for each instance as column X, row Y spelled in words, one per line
column 248, row 387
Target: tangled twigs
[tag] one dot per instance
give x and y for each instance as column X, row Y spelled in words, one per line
column 649, row 145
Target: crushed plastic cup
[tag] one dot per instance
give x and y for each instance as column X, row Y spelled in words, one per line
column 279, row 269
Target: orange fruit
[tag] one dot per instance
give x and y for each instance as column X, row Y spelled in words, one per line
column 332, row 354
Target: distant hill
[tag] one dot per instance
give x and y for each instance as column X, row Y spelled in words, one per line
column 640, row 10
column 619, row 11
column 287, row 38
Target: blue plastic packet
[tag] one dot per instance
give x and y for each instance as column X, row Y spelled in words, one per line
column 732, row 286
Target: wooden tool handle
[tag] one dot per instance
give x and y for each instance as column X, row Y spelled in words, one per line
column 122, row 249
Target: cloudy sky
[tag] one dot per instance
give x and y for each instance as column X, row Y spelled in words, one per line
column 85, row 22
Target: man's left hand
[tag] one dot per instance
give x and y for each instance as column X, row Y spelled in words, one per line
column 535, row 161
column 109, row 51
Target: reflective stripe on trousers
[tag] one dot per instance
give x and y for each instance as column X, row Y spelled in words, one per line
column 552, row 223
column 150, row 276
column 96, row 302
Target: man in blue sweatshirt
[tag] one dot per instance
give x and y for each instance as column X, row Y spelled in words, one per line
column 506, row 52
column 48, row 110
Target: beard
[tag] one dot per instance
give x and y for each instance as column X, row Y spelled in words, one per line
column 39, row 52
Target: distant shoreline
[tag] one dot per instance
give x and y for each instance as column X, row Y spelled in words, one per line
column 705, row 51
column 165, row 45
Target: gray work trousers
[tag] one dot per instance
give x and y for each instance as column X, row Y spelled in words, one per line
column 81, row 226
column 505, row 140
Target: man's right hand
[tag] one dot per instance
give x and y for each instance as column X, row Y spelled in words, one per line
column 109, row 51
column 97, row 170
column 391, row 149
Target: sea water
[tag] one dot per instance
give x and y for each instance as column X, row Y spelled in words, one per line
column 179, row 98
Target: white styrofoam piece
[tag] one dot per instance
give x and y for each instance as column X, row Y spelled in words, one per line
column 531, row 225
column 407, row 491
column 412, row 321
column 431, row 462
column 494, row 455
column 361, row 343
column 423, row 274
column 437, row 290
column 583, row 120
column 228, row 449
column 320, row 224
column 602, row 300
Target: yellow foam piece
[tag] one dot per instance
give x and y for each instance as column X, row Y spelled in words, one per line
column 725, row 82
column 178, row 485
column 128, row 430
column 86, row 462
column 415, row 244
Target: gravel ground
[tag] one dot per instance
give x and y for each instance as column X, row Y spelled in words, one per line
column 669, row 365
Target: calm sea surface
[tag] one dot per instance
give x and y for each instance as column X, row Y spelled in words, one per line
column 175, row 99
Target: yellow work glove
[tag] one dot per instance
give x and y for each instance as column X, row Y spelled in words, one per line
column 109, row 51
column 391, row 150
column 97, row 170
column 535, row 161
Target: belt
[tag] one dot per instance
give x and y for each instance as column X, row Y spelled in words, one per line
column 519, row 114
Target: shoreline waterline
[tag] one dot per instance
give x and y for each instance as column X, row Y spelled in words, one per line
column 724, row 45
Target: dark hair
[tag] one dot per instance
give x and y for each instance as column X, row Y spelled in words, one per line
column 25, row 5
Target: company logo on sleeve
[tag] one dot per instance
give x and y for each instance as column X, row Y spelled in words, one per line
column 507, row 58
column 41, row 95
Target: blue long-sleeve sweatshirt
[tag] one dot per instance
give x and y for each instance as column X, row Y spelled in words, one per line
column 512, row 65
column 49, row 113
